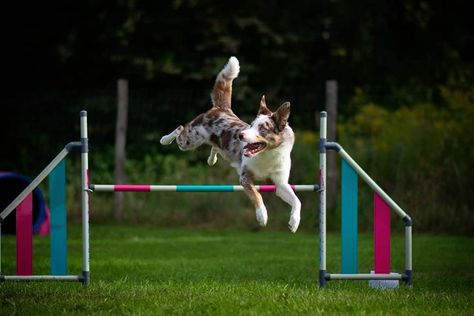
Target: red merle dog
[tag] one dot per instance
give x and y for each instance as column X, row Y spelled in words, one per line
column 258, row 151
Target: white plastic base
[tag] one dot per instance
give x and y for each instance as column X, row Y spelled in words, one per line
column 384, row 284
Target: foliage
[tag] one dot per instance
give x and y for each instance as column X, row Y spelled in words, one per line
column 422, row 155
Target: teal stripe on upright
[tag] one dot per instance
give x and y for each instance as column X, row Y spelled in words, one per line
column 58, row 235
column 348, row 219
column 205, row 188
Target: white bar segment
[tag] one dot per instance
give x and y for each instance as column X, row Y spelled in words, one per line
column 34, row 184
column 394, row 206
column 366, row 276
column 163, row 188
column 42, row 278
column 103, row 187
column 305, row 188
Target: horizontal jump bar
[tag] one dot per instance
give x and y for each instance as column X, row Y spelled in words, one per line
column 69, row 278
column 365, row 276
column 191, row 188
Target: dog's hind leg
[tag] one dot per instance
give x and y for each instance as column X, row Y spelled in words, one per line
column 191, row 137
column 249, row 188
column 285, row 192
column 187, row 137
column 211, row 161
column 168, row 139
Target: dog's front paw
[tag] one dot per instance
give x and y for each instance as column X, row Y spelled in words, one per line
column 262, row 215
column 294, row 223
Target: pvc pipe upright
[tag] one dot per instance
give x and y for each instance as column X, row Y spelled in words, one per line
column 322, row 198
column 85, row 199
column 408, row 254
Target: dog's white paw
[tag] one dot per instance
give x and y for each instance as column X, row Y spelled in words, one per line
column 211, row 161
column 294, row 223
column 262, row 216
column 167, row 139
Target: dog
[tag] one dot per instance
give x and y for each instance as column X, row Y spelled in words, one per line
column 258, row 151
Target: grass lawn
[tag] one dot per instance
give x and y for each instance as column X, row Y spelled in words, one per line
column 155, row 271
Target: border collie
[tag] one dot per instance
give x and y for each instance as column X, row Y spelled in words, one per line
column 258, row 151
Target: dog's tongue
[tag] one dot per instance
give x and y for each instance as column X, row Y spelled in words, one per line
column 251, row 149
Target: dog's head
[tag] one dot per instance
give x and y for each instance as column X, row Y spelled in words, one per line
column 266, row 130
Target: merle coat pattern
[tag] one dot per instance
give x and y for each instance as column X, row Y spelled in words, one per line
column 258, row 151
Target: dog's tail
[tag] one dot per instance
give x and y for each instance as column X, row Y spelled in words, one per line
column 222, row 93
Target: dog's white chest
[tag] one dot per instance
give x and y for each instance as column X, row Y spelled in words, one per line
column 268, row 163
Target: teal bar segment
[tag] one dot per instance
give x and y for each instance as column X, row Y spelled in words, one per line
column 58, row 235
column 348, row 219
column 205, row 188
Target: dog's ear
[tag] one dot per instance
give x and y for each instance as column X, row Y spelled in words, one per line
column 263, row 110
column 281, row 116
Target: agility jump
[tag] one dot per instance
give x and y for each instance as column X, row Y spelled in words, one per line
column 383, row 203
column 382, row 206
column 55, row 169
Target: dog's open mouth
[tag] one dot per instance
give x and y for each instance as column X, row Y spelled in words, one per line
column 250, row 150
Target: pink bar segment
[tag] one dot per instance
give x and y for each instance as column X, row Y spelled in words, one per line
column 271, row 187
column 381, row 235
column 267, row 188
column 132, row 188
column 24, row 236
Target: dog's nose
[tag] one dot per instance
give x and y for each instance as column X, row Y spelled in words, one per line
column 241, row 136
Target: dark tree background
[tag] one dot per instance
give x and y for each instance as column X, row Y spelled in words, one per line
column 407, row 45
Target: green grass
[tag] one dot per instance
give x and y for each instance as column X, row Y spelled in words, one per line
column 154, row 271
